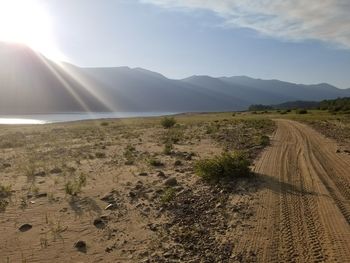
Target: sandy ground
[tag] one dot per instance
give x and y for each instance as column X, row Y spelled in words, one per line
column 303, row 213
column 295, row 209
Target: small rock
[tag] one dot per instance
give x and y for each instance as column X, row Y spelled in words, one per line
column 153, row 227
column 80, row 245
column 177, row 163
column 161, row 174
column 105, row 217
column 40, row 173
column 171, row 182
column 25, row 227
column 143, row 174
column 107, row 197
column 99, row 223
column 6, row 165
column 56, row 170
column 132, row 194
column 41, row 195
column 218, row 205
column 110, row 207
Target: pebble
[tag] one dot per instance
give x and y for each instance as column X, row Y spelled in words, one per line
column 80, row 245
column 25, row 227
column 171, row 182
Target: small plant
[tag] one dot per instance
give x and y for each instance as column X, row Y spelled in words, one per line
column 57, row 229
column 155, row 162
column 100, row 155
column 129, row 154
column 168, row 195
column 30, row 172
column 168, row 147
column 301, row 111
column 5, row 191
column 224, row 166
column 104, row 123
column 173, row 136
column 264, row 140
column 168, row 122
column 74, row 187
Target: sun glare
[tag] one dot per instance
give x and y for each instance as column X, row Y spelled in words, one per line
column 27, row 22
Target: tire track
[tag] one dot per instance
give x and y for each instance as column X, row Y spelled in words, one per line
column 303, row 211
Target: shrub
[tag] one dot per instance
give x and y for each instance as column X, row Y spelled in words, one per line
column 5, row 191
column 264, row 140
column 100, row 155
column 168, row 147
column 173, row 136
column 168, row 122
column 74, row 187
column 300, row 111
column 155, row 162
column 225, row 166
column 104, row 123
column 168, row 195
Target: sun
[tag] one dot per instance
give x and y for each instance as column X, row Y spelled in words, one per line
column 28, row 22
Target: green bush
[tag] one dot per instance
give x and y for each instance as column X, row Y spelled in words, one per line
column 155, row 162
column 225, row 166
column 168, row 195
column 301, row 111
column 168, row 122
column 5, row 191
column 173, row 136
column 168, row 147
column 264, row 140
column 74, row 187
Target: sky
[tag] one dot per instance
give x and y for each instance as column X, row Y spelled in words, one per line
column 292, row 40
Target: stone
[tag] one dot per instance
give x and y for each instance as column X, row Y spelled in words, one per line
column 80, row 245
column 161, row 174
column 171, row 181
column 41, row 195
column 99, row 223
column 177, row 163
column 56, row 170
column 25, row 227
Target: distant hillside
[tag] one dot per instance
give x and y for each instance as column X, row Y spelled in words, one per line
column 30, row 83
column 337, row 105
column 290, row 105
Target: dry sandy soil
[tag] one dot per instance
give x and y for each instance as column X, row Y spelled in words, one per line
column 295, row 208
column 303, row 214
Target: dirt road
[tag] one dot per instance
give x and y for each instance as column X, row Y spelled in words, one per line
column 303, row 211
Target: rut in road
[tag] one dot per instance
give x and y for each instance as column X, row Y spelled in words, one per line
column 303, row 211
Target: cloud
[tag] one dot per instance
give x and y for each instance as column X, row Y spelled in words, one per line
column 296, row 20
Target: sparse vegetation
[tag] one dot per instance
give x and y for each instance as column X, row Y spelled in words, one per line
column 168, row 147
column 155, row 162
column 225, row 166
column 5, row 191
column 301, row 111
column 264, row 140
column 75, row 186
column 168, row 195
column 168, row 122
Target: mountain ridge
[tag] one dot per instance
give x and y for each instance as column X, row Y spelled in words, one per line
column 31, row 83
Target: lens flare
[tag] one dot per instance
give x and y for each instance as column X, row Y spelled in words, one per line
column 29, row 23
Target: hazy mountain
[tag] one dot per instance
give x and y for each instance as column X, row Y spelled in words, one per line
column 30, row 83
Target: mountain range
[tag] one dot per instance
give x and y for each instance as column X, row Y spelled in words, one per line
column 31, row 83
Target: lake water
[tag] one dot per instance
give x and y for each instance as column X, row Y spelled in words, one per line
column 66, row 117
